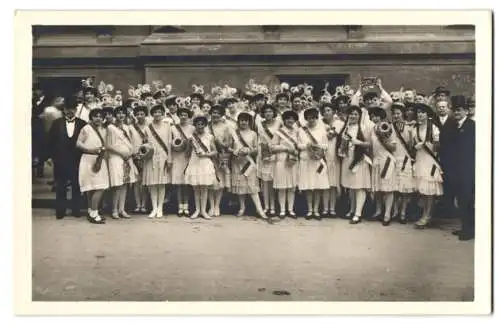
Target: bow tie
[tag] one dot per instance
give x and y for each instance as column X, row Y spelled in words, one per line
column 70, row 121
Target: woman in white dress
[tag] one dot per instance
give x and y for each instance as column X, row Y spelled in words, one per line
column 404, row 155
column 244, row 168
column 180, row 156
column 428, row 171
column 286, row 173
column 313, row 168
column 200, row 172
column 138, row 130
column 93, row 169
column 384, row 181
column 122, row 170
column 266, row 128
column 158, row 167
column 353, row 145
column 333, row 126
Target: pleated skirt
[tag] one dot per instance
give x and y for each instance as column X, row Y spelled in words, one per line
column 310, row 178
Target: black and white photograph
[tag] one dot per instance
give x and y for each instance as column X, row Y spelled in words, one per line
column 256, row 163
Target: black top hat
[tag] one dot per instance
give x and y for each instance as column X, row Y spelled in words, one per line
column 289, row 114
column 184, row 110
column 244, row 116
column 266, row 107
column 458, row 101
column 157, row 107
column 311, row 112
column 96, row 112
column 200, row 118
column 441, row 90
column 218, row 108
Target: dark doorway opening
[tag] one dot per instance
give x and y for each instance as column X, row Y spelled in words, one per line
column 317, row 81
column 60, row 86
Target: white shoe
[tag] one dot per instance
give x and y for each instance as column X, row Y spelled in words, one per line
column 152, row 214
column 195, row 215
column 206, row 216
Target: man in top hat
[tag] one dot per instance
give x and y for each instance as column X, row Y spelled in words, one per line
column 461, row 174
column 66, row 157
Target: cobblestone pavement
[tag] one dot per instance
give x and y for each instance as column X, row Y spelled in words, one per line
column 245, row 259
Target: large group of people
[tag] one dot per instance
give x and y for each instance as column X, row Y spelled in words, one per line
column 273, row 144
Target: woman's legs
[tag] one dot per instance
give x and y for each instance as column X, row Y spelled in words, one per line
column 404, row 199
column 282, row 200
column 378, row 196
column 161, row 196
column 180, row 202
column 360, row 198
column 217, row 199
column 309, row 198
column 326, row 201
column 121, row 201
column 333, row 200
column 388, row 201
column 352, row 202
column 153, row 193
column 197, row 202
column 291, row 201
column 316, row 198
column 258, row 206
column 426, row 214
column 115, row 198
column 95, row 200
column 138, row 196
column 241, row 201
column 203, row 195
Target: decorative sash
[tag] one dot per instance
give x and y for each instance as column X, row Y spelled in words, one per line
column 160, row 142
column 436, row 169
column 390, row 161
column 143, row 135
column 229, row 117
column 359, row 152
column 250, row 159
column 409, row 153
column 178, row 128
column 126, row 165
column 282, row 134
column 205, row 149
column 314, row 141
column 101, row 156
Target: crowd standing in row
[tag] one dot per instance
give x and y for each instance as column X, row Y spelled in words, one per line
column 262, row 142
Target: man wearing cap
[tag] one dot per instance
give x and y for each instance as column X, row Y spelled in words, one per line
column 461, row 174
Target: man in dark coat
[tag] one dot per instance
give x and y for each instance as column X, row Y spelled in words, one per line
column 66, row 158
column 461, row 173
column 38, row 102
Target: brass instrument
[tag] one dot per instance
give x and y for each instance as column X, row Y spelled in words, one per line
column 266, row 151
column 179, row 145
column 383, row 130
column 146, row 152
column 331, row 132
column 292, row 159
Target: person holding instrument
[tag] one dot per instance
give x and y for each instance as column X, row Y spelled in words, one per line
column 93, row 170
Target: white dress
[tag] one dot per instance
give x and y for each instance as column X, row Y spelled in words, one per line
column 265, row 162
column 155, row 172
column 359, row 176
column 89, row 180
column 244, row 183
column 120, row 171
column 384, row 165
column 332, row 160
column 286, row 171
column 428, row 178
column 201, row 171
column 313, row 173
column 404, row 166
column 180, row 159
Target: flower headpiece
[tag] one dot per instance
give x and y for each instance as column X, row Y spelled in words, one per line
column 160, row 89
column 107, row 97
column 183, row 102
column 344, row 90
column 326, row 97
column 88, row 83
column 198, row 89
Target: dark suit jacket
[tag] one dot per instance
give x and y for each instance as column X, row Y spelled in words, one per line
column 463, row 155
column 65, row 155
column 446, row 146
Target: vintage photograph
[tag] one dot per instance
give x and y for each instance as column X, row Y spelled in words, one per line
column 253, row 163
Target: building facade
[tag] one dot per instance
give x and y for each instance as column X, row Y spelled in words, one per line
column 417, row 57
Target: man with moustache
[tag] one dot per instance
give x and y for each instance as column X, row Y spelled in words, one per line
column 66, row 157
column 461, row 174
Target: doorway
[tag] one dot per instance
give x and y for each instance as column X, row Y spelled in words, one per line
column 60, row 86
column 317, row 81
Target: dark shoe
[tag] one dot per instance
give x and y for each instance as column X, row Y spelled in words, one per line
column 180, row 214
column 403, row 220
column 92, row 220
column 317, row 216
column 465, row 237
column 308, row 216
column 332, row 215
column 292, row 215
column 386, row 223
column 456, row 232
column 60, row 216
column 282, row 215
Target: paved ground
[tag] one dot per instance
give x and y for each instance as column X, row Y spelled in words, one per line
column 245, row 259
